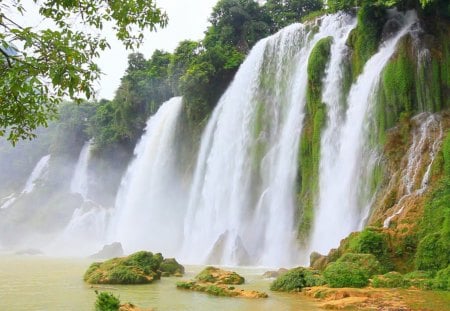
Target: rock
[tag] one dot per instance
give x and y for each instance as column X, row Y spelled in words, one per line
column 170, row 267
column 139, row 268
column 109, row 251
column 223, row 241
column 218, row 276
column 318, row 261
column 274, row 274
column 216, row 282
column 131, row 307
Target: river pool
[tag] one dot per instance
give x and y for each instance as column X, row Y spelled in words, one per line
column 38, row 283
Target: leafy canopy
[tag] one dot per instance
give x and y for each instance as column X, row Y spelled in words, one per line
column 41, row 66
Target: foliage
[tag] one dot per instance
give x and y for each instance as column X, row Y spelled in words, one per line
column 433, row 252
column 297, row 278
column 369, row 241
column 309, row 155
column 286, row 12
column 365, row 37
column 143, row 89
column 390, row 280
column 442, row 279
column 138, row 268
column 41, row 66
column 218, row 276
column 345, row 274
column 107, row 302
column 352, row 270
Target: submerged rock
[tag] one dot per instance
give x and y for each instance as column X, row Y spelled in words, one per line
column 139, row 268
column 109, row 251
column 217, row 282
column 274, row 274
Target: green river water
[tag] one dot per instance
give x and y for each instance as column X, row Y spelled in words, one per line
column 54, row 284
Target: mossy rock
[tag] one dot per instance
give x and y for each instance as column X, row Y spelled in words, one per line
column 390, row 280
column 219, row 290
column 170, row 267
column 218, row 276
column 139, row 268
column 296, row 279
column 215, row 281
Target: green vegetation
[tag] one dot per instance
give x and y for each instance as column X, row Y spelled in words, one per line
column 442, row 279
column 296, row 279
column 390, row 280
column 309, row 155
column 215, row 281
column 42, row 66
column 218, row 276
column 351, row 270
column 107, row 302
column 345, row 274
column 364, row 39
column 138, row 268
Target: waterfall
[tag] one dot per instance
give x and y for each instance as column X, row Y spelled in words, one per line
column 149, row 204
column 426, row 141
column 38, row 173
column 79, row 183
column 86, row 232
column 344, row 154
column 242, row 201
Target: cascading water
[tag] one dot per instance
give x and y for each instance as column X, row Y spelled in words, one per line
column 149, row 205
column 79, row 183
column 427, row 137
column 344, row 155
column 38, row 173
column 86, row 231
column 242, row 202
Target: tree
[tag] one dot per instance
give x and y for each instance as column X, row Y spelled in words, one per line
column 40, row 67
column 285, row 12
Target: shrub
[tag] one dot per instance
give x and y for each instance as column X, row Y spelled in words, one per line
column 390, row 280
column 366, row 262
column 442, row 279
column 352, row 270
column 296, row 279
column 107, row 302
column 432, row 253
column 345, row 274
column 420, row 279
column 371, row 242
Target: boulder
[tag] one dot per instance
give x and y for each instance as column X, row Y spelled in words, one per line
column 109, row 251
column 139, row 268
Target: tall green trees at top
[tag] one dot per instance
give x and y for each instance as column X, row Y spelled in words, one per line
column 286, row 12
column 41, row 66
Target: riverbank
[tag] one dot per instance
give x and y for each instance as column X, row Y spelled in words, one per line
column 379, row 299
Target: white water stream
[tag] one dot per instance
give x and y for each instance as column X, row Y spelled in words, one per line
column 342, row 155
column 242, row 204
column 80, row 179
column 149, row 205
